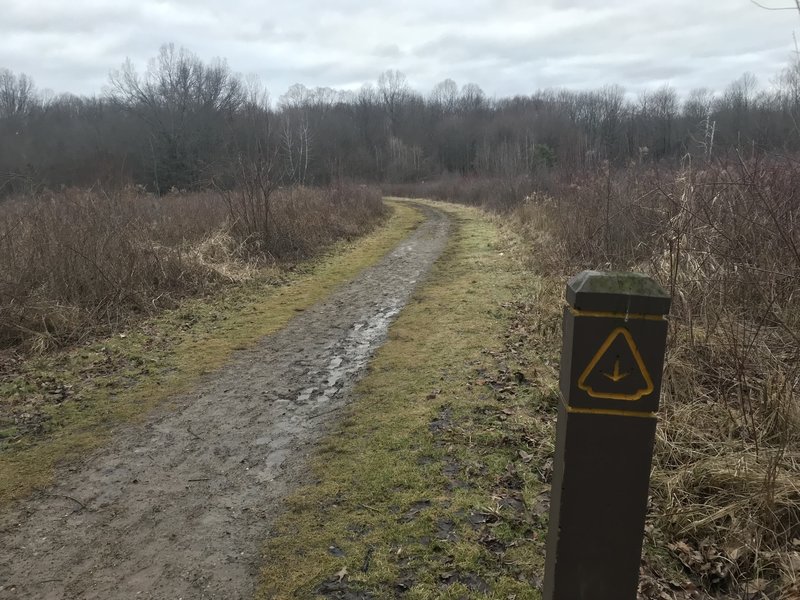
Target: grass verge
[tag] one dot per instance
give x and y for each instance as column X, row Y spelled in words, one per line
column 435, row 482
column 56, row 407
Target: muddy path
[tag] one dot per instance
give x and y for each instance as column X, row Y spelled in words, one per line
column 178, row 507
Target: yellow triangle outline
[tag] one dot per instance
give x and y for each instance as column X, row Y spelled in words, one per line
column 599, row 354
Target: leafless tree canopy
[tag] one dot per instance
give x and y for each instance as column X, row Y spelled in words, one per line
column 184, row 123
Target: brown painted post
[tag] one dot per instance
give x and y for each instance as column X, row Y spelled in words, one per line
column 615, row 332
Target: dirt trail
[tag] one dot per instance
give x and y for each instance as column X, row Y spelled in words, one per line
column 178, row 507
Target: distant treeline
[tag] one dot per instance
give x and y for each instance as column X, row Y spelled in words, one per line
column 184, row 123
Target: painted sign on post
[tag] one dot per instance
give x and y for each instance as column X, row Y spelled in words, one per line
column 613, row 353
column 599, row 380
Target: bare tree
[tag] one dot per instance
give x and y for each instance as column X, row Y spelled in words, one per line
column 445, row 95
column 472, row 97
column 185, row 104
column 393, row 88
column 296, row 140
column 17, row 94
column 295, row 97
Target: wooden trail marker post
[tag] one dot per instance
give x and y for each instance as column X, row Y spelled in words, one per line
column 615, row 333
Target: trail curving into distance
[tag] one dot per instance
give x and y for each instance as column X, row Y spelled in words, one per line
column 178, row 507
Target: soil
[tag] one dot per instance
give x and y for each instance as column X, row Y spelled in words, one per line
column 179, row 506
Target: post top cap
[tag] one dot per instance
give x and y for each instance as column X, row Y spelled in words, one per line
column 617, row 292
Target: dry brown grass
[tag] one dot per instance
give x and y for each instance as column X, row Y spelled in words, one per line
column 77, row 263
column 724, row 240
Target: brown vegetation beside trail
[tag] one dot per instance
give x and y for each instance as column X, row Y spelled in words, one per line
column 724, row 239
column 76, row 263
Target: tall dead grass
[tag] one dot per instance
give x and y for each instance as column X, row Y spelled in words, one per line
column 724, row 239
column 77, row 263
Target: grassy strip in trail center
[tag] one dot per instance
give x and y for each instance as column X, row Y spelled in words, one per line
column 434, row 483
column 57, row 407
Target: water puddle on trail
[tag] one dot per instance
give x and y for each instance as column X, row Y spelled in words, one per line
column 349, row 355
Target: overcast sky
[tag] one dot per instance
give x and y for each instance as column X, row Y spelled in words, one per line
column 506, row 46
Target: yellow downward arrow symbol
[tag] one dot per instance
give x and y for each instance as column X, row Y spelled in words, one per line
column 616, row 376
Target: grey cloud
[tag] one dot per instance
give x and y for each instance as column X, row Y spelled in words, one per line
column 27, row 18
column 648, row 71
column 507, row 46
